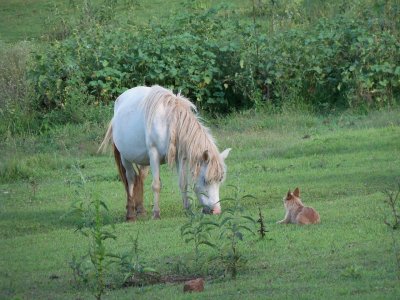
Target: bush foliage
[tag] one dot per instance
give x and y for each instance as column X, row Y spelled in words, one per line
column 338, row 63
column 275, row 53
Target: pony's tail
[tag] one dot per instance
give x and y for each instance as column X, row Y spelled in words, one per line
column 107, row 139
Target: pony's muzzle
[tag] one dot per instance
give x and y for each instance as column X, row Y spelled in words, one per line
column 215, row 211
column 207, row 210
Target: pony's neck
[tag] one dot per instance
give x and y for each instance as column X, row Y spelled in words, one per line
column 189, row 139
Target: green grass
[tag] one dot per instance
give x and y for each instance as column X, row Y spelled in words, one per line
column 33, row 19
column 340, row 162
column 24, row 20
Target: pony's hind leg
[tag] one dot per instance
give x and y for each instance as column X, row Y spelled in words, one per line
column 138, row 198
column 131, row 179
column 127, row 175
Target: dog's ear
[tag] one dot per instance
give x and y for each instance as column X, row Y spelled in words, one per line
column 289, row 195
column 296, row 192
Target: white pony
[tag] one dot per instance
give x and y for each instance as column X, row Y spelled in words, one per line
column 152, row 126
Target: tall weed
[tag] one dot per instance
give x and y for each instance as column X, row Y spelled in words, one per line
column 91, row 268
column 393, row 222
column 15, row 110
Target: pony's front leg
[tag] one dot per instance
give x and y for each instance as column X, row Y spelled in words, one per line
column 183, row 183
column 156, row 184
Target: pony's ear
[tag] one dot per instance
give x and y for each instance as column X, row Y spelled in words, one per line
column 289, row 195
column 224, row 154
column 206, row 156
column 296, row 192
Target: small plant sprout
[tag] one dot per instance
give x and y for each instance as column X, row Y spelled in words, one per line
column 353, row 272
column 134, row 268
column 34, row 184
column 394, row 224
column 392, row 202
column 261, row 230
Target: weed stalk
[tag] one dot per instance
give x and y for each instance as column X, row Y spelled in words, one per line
column 392, row 202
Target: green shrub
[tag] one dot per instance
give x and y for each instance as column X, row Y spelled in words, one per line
column 339, row 63
column 223, row 63
column 191, row 56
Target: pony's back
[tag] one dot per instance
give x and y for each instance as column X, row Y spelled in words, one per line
column 129, row 97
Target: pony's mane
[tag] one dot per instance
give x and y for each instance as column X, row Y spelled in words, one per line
column 188, row 138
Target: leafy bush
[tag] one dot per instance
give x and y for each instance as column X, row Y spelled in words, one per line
column 224, row 63
column 197, row 231
column 339, row 63
column 97, row 66
column 231, row 226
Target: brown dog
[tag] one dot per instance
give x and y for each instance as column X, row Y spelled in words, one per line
column 296, row 212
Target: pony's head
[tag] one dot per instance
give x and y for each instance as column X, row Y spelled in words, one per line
column 206, row 188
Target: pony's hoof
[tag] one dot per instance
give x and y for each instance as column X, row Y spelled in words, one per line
column 156, row 215
column 131, row 219
column 140, row 213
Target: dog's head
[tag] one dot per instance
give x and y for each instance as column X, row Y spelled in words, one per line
column 292, row 196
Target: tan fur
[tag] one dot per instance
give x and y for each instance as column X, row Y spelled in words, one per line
column 296, row 212
column 189, row 139
column 134, row 204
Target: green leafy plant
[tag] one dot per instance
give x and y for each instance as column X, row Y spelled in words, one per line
column 92, row 227
column 81, row 269
column 134, row 267
column 197, row 230
column 233, row 224
column 223, row 234
column 92, row 266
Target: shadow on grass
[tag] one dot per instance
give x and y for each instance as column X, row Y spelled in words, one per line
column 22, row 223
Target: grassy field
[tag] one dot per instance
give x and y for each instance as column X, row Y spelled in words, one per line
column 341, row 163
column 33, row 19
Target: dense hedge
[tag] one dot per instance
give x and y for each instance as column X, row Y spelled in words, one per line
column 339, row 63
column 221, row 65
column 97, row 66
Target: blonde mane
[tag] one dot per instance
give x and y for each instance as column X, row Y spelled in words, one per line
column 188, row 138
